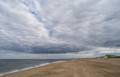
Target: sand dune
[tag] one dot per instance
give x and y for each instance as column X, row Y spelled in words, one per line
column 75, row 68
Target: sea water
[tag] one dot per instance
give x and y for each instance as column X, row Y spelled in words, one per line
column 7, row 65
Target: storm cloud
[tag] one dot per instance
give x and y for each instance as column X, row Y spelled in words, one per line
column 78, row 25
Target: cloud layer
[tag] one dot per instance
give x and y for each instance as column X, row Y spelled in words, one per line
column 87, row 22
column 79, row 24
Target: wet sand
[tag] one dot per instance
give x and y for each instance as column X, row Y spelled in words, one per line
column 74, row 68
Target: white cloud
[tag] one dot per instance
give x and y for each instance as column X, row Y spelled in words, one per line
column 88, row 22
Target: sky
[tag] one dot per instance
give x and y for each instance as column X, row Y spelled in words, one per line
column 68, row 28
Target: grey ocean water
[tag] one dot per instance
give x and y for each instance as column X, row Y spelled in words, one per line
column 7, row 65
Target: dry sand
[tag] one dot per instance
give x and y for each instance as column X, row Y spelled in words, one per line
column 75, row 68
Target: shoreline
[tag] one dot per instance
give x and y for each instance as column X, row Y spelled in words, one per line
column 73, row 68
column 28, row 68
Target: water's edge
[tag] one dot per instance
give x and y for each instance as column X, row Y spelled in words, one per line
column 28, row 68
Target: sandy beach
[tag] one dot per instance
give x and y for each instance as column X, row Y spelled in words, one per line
column 74, row 68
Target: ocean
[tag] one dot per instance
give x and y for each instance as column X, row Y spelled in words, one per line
column 7, row 65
